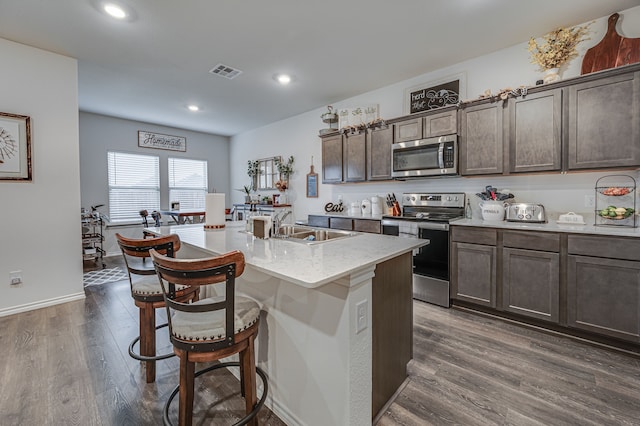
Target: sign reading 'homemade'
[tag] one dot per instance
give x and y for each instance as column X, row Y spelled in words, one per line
column 159, row 141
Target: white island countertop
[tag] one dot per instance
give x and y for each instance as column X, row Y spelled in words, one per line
column 308, row 265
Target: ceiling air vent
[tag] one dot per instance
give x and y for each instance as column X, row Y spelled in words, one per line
column 225, row 71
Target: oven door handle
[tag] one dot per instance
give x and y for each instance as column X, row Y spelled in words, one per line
column 433, row 225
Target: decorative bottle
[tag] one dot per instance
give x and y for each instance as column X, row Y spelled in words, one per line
column 467, row 210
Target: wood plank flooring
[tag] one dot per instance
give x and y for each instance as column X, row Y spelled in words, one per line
column 68, row 365
column 474, row 370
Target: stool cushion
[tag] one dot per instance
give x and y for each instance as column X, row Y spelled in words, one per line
column 147, row 285
column 203, row 326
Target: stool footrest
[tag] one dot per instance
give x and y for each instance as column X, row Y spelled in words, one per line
column 245, row 419
column 139, row 357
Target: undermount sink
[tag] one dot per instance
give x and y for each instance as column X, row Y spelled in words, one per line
column 307, row 235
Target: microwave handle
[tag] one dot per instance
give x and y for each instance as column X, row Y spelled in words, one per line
column 441, row 156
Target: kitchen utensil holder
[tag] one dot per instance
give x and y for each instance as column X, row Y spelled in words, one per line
column 618, row 191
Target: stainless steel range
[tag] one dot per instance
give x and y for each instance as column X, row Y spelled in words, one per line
column 427, row 215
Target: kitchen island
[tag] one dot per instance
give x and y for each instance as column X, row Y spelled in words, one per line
column 336, row 329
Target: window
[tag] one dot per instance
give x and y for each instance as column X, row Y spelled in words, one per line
column 134, row 185
column 187, row 182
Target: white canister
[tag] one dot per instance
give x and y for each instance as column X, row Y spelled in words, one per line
column 376, row 207
column 366, row 207
column 354, row 209
column 492, row 210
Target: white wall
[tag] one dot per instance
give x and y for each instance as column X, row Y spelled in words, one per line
column 298, row 136
column 39, row 224
column 100, row 133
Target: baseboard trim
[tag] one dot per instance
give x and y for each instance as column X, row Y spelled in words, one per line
column 41, row 304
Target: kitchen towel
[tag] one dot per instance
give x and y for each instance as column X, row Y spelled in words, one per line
column 214, row 211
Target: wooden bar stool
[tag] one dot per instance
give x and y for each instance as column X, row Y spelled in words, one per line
column 210, row 329
column 147, row 293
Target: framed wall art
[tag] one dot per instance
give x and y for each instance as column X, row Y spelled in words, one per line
column 160, row 141
column 15, row 147
column 435, row 94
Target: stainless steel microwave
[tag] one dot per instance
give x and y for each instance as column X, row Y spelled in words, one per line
column 425, row 157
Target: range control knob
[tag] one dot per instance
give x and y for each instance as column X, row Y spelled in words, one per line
column 528, row 216
column 520, row 216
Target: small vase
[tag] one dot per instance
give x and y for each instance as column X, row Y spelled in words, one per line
column 284, row 198
column 551, row 75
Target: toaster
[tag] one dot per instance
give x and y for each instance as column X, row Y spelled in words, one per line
column 526, row 212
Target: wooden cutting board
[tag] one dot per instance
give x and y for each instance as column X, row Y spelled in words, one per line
column 613, row 50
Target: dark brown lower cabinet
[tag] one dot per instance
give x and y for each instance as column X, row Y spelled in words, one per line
column 582, row 284
column 604, row 296
column 531, row 283
column 474, row 273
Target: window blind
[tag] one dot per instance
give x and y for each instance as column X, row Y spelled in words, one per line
column 188, row 182
column 134, row 185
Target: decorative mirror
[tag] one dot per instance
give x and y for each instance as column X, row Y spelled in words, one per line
column 268, row 174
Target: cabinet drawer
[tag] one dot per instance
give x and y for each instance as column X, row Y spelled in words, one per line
column 365, row 225
column 341, row 223
column 320, row 221
column 542, row 241
column 466, row 234
column 607, row 247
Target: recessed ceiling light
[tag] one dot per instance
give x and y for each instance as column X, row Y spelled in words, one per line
column 193, row 108
column 114, row 10
column 283, row 79
column 117, row 9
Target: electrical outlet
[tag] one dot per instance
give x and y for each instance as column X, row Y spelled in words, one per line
column 590, row 201
column 362, row 315
column 15, row 278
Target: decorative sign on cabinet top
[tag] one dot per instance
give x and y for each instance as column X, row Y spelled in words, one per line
column 436, row 94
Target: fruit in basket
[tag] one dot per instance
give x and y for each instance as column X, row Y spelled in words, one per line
column 616, row 191
column 613, row 212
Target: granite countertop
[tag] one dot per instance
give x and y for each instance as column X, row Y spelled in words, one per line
column 310, row 266
column 553, row 226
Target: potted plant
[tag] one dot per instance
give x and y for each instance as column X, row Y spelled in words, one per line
column 247, row 193
column 559, row 46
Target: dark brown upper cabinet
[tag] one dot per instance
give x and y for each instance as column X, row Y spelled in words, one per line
column 603, row 122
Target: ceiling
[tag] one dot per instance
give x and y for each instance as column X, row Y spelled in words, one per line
column 151, row 67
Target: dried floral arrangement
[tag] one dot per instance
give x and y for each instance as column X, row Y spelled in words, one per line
column 374, row 124
column 558, row 47
column 282, row 185
column 504, row 94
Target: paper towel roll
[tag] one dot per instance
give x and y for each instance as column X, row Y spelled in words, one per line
column 214, row 211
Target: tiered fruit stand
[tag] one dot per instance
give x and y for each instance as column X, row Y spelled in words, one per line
column 616, row 201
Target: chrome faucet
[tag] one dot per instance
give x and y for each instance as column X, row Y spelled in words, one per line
column 277, row 221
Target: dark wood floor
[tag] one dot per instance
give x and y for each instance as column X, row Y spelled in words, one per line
column 68, row 365
column 473, row 370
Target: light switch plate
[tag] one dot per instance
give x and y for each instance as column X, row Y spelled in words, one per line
column 362, row 315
